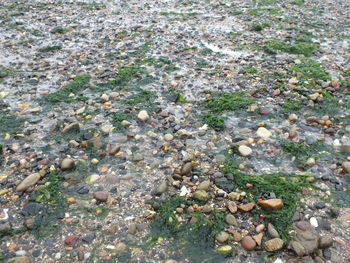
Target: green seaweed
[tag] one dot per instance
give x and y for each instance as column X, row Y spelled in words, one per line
column 214, row 121
column 10, row 123
column 50, row 49
column 300, row 46
column 227, row 101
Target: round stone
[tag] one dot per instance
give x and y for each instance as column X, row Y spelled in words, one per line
column 248, row 243
column 200, row 195
column 101, row 196
column 273, row 244
column 168, row 137
column 143, row 115
column 67, row 164
column 245, row 150
column 222, row 237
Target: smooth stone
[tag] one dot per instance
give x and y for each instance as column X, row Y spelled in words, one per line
column 224, row 249
column 143, row 115
column 200, row 195
column 260, row 228
column 263, row 133
column 101, row 196
column 346, row 167
column 231, row 220
column 67, row 164
column 32, row 209
column 187, row 168
column 161, row 188
column 325, row 241
column 232, row 207
column 245, row 150
column 71, row 240
column 274, row 203
column 222, row 237
column 20, row 259
column 271, row 230
column 137, row 157
column 220, row 158
column 29, row 181
column 168, row 137
column 273, row 244
column 246, row 207
column 205, row 185
column 258, row 238
column 248, row 243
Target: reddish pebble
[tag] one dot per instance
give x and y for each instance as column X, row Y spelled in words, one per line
column 101, row 196
column 71, row 240
column 248, row 243
column 292, row 134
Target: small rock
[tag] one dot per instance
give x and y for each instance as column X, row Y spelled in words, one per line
column 293, row 117
column 346, row 167
column 271, row 230
column 320, row 205
column 246, row 207
column 137, row 157
column 325, row 241
column 222, row 237
column 168, row 137
column 132, row 229
column 263, row 133
column 248, row 243
column 274, row 203
column 104, row 98
column 143, row 115
column 311, row 161
column 245, row 150
column 161, row 188
column 186, row 169
column 200, row 195
column 101, row 196
column 71, row 240
column 260, row 228
column 72, row 128
column 273, row 244
column 258, row 238
column 225, row 249
column 205, row 185
column 67, row 164
column 29, row 181
column 232, row 207
column 231, row 220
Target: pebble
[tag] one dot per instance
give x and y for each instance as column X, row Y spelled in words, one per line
column 258, row 238
column 20, row 259
column 274, row 203
column 248, row 243
column 231, row 220
column 224, row 249
column 245, row 150
column 273, row 244
column 29, row 181
column 143, row 115
column 232, row 207
column 325, row 241
column 161, row 188
column 200, row 195
column 311, row 161
column 222, row 237
column 271, row 230
column 71, row 240
column 260, row 228
column 67, row 164
column 205, row 185
column 246, row 207
column 168, row 137
column 263, row 133
column 101, row 196
column 293, row 117
column 346, row 167
column 73, row 127
column 186, row 169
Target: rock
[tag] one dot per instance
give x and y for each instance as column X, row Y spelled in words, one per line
column 346, row 167
column 104, row 97
column 311, row 161
column 271, row 230
column 231, row 220
column 260, row 228
column 71, row 240
column 137, row 157
column 20, row 259
column 72, row 128
column 232, row 207
column 246, row 207
column 67, row 164
column 325, row 241
column 132, row 229
column 222, row 237
column 248, row 243
column 220, row 158
column 245, row 150
column 143, row 115
column 224, row 249
column 200, row 195
column 298, row 248
column 273, row 244
column 29, row 181
column 113, row 150
column 293, row 117
column 161, row 188
column 101, row 196
column 258, row 238
column 263, row 133
column 186, row 169
column 319, row 260
column 106, row 129
column 305, row 239
column 29, row 222
column 205, row 185
column 168, row 137
column 274, row 203
column 32, row 209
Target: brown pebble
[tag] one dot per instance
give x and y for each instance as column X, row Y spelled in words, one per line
column 101, row 196
column 248, row 243
column 71, row 240
column 246, row 207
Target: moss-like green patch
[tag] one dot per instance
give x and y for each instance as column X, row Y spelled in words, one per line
column 291, row 106
column 227, row 101
column 10, row 123
column 301, row 46
column 50, row 193
column 303, row 151
column 214, row 121
column 340, row 198
column 50, row 49
column 284, row 186
column 79, row 83
column 194, row 237
column 309, row 73
column 118, row 117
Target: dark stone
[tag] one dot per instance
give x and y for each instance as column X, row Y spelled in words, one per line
column 82, row 190
column 323, row 224
column 31, row 209
column 88, row 238
column 319, row 205
column 327, row 254
column 36, row 253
